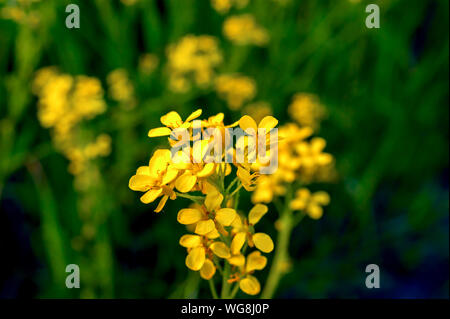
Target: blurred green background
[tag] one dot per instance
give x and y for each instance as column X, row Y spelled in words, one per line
column 386, row 95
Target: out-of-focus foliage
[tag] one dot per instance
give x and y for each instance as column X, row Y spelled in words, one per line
column 381, row 96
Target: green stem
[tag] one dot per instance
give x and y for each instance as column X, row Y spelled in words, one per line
column 225, row 284
column 213, row 289
column 281, row 249
column 197, row 199
column 235, row 290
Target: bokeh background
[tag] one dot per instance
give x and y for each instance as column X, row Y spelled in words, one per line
column 386, row 97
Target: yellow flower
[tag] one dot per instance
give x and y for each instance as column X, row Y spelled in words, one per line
column 307, row 110
column 310, row 203
column 201, row 251
column 258, row 110
column 261, row 241
column 235, row 89
column 192, row 60
column 248, row 283
column 120, row 87
column 156, row 179
column 210, row 217
column 243, row 30
column 173, row 120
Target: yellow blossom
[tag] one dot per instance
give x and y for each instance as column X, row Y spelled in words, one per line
column 235, row 89
column 243, row 30
column 310, row 203
column 307, row 110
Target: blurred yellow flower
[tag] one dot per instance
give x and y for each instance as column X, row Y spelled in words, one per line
column 235, row 89
column 192, row 61
column 243, row 30
column 306, row 110
column 311, row 204
column 120, row 87
column 148, row 63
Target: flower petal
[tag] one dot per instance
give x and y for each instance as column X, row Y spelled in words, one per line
column 194, row 115
column 268, row 123
column 204, row 226
column 314, row 211
column 256, row 213
column 248, row 125
column 151, row 195
column 208, row 270
column 220, row 249
column 171, row 119
column 189, row 216
column 190, row 241
column 170, row 175
column 140, row 182
column 237, row 242
column 207, row 170
column 159, row 131
column 263, row 242
column 161, row 204
column 255, row 261
column 213, row 201
column 185, row 182
column 250, row 285
column 225, row 216
column 196, row 258
column 237, row 260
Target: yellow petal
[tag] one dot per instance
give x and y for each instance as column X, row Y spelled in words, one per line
column 321, row 198
column 159, row 131
column 237, row 242
column 143, row 170
column 190, row 241
column 256, row 213
column 207, row 170
column 225, row 216
column 194, row 115
column 213, row 234
column 189, row 216
column 314, row 211
column 250, row 285
column 161, row 204
column 237, row 260
column 170, row 175
column 151, row 195
column 269, row 122
column 171, row 119
column 208, row 270
column 263, row 242
column 213, row 201
column 255, row 261
column 204, row 226
column 196, row 258
column 318, row 144
column 247, row 123
column 220, row 249
column 141, row 182
column 185, row 182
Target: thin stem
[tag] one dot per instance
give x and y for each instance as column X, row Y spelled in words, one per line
column 213, row 289
column 236, row 190
column 235, row 290
column 231, row 184
column 225, row 283
column 197, row 199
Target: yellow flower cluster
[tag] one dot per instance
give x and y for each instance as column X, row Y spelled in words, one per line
column 310, row 203
column 120, row 88
column 306, row 110
column 64, row 102
column 298, row 159
column 221, row 234
column 243, row 30
column 193, row 61
column 223, row 6
column 235, row 89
